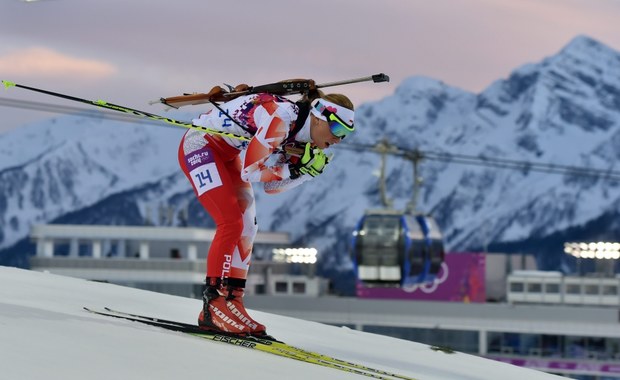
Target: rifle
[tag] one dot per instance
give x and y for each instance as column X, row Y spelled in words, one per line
column 285, row 87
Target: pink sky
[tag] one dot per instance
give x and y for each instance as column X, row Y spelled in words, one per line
column 132, row 52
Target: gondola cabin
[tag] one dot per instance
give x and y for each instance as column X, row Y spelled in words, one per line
column 393, row 248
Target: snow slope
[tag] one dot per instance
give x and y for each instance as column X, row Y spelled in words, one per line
column 45, row 334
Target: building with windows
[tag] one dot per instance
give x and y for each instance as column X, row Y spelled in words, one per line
column 166, row 259
column 555, row 288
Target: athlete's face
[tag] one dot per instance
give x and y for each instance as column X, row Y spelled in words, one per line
column 320, row 133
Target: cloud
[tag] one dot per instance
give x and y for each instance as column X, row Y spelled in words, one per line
column 44, row 62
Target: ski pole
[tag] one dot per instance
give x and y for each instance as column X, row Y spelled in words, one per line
column 116, row 107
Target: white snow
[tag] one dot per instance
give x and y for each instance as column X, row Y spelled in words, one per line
column 45, row 334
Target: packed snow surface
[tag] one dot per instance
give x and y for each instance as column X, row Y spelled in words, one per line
column 45, row 334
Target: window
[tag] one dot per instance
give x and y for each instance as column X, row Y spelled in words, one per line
column 516, row 287
column 175, row 253
column 281, row 287
column 494, row 340
column 551, row 345
column 299, row 287
column 610, row 290
column 552, row 288
column 259, row 289
column 591, row 289
column 534, row 288
column 573, row 289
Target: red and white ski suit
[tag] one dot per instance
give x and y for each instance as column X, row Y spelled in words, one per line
column 221, row 170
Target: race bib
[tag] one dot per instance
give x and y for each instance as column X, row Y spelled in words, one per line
column 202, row 170
column 205, row 178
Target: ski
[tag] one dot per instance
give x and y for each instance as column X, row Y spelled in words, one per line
column 265, row 344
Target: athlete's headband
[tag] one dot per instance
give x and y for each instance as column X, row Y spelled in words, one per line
column 339, row 118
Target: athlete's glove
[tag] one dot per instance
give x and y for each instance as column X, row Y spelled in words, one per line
column 312, row 162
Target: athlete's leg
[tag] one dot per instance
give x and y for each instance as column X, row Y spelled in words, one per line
column 245, row 198
column 216, row 192
column 230, row 202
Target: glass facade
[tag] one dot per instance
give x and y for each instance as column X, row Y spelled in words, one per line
column 555, row 346
column 459, row 340
column 559, row 351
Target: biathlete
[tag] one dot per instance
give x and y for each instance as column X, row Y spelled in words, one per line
column 222, row 170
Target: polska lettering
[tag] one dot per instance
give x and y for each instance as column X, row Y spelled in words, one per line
column 226, row 265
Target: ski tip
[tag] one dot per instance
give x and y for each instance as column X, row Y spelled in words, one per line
column 8, row 84
column 444, row 349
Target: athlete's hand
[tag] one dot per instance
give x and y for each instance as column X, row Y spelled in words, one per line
column 313, row 161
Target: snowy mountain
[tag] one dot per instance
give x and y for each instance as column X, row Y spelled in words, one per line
column 564, row 110
column 51, row 169
column 43, row 322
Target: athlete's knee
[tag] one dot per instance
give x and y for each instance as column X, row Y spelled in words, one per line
column 230, row 227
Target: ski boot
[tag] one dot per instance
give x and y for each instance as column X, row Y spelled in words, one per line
column 223, row 309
